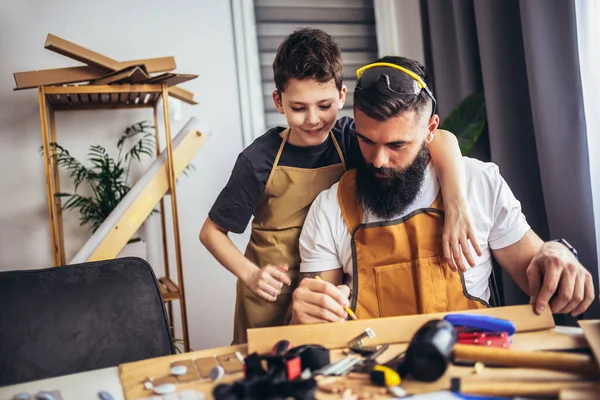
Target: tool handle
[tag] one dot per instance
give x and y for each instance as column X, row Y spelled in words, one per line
column 483, row 322
column 519, row 388
column 576, row 363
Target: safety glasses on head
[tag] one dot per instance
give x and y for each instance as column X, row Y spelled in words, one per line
column 393, row 75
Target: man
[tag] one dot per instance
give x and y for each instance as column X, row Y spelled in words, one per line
column 375, row 238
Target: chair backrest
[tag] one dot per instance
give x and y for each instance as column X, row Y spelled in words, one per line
column 76, row 318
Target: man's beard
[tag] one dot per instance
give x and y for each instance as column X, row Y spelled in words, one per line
column 389, row 197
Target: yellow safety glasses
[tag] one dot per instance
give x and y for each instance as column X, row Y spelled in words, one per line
column 371, row 73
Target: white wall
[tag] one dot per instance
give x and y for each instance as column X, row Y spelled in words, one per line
column 199, row 34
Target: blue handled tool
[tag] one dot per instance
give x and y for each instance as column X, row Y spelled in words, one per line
column 483, row 322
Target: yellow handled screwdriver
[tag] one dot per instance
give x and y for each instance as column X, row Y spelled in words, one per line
column 348, row 310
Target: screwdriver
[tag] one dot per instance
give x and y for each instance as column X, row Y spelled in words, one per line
column 348, row 310
column 384, row 376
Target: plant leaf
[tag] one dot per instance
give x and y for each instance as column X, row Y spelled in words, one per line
column 467, row 121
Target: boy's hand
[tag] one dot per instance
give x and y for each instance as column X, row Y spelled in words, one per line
column 458, row 231
column 317, row 301
column 267, row 282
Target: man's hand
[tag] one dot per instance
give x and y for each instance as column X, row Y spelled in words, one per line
column 316, row 301
column 267, row 282
column 458, row 232
column 555, row 270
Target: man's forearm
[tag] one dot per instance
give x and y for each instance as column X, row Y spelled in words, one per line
column 515, row 258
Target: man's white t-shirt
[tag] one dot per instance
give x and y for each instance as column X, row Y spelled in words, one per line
column 496, row 214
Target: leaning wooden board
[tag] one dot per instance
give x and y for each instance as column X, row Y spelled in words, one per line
column 132, row 374
column 388, row 330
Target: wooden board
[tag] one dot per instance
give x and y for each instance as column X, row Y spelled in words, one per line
column 579, row 394
column 132, row 74
column 132, row 374
column 387, row 330
column 171, row 79
column 101, row 62
column 144, row 203
column 61, row 76
column 591, row 330
column 80, row 53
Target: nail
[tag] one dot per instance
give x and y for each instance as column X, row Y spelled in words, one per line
column 540, row 309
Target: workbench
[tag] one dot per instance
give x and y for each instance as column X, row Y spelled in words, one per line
column 534, row 333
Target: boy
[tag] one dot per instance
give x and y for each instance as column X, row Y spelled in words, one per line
column 279, row 175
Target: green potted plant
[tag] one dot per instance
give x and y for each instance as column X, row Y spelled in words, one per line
column 105, row 177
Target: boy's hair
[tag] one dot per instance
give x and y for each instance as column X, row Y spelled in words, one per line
column 308, row 54
column 381, row 103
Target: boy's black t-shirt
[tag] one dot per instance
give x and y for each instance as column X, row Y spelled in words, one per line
column 239, row 198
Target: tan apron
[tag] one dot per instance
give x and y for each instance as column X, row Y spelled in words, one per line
column 275, row 235
column 398, row 266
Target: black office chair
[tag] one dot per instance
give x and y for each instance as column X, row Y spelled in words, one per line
column 76, row 318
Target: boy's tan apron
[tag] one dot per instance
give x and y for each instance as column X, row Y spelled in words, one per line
column 275, row 234
column 398, row 266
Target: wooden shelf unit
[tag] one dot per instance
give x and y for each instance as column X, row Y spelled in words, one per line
column 53, row 99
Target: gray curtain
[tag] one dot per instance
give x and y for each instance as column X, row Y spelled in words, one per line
column 523, row 55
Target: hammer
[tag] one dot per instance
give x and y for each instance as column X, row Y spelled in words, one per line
column 434, row 345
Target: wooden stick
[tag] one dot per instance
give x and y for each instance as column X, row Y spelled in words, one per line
column 519, row 388
column 555, row 361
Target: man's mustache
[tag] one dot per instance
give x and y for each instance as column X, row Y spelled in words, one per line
column 387, row 172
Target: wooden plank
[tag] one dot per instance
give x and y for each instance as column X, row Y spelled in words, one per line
column 161, row 64
column 551, row 339
column 58, row 76
column 591, row 330
column 137, row 213
column 169, row 284
column 171, row 79
column 132, row 74
column 103, row 89
column 74, row 100
column 579, row 394
column 57, row 101
column 517, row 388
column 100, row 106
column 97, row 60
column 387, row 330
column 80, row 53
column 182, row 95
column 61, row 76
column 168, row 296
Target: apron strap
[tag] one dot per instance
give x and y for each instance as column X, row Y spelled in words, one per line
column 348, row 201
column 339, row 150
column 284, row 139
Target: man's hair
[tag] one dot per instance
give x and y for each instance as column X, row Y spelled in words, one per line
column 308, row 54
column 380, row 103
